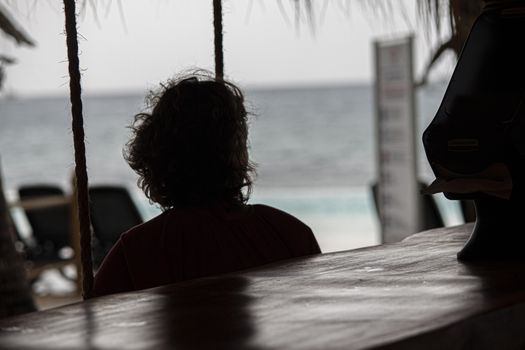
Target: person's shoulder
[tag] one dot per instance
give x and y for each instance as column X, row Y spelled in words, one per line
column 296, row 233
column 145, row 231
column 277, row 215
column 269, row 210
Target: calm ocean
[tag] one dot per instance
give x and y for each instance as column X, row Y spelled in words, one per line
column 314, row 147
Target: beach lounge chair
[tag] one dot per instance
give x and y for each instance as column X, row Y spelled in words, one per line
column 21, row 244
column 49, row 246
column 113, row 212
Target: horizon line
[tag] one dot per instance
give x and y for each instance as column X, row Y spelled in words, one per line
column 7, row 94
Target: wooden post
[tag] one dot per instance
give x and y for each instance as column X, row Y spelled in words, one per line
column 77, row 124
column 217, row 30
column 75, row 232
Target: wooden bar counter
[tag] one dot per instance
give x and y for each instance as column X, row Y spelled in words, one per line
column 408, row 295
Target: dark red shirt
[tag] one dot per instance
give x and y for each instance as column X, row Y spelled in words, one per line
column 182, row 244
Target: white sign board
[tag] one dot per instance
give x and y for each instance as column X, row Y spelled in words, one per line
column 398, row 189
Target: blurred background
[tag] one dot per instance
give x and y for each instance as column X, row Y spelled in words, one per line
column 306, row 68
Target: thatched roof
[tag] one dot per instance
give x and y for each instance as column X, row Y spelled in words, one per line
column 12, row 29
column 461, row 15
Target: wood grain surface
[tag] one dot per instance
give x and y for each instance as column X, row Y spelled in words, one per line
column 408, row 295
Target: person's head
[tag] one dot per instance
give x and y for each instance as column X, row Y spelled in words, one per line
column 191, row 149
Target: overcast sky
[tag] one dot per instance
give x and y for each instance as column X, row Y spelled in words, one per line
column 154, row 39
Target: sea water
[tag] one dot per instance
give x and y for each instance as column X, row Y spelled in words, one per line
column 314, row 148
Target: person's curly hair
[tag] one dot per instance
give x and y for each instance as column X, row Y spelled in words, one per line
column 191, row 150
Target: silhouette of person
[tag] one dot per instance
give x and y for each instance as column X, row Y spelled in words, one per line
column 191, row 156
